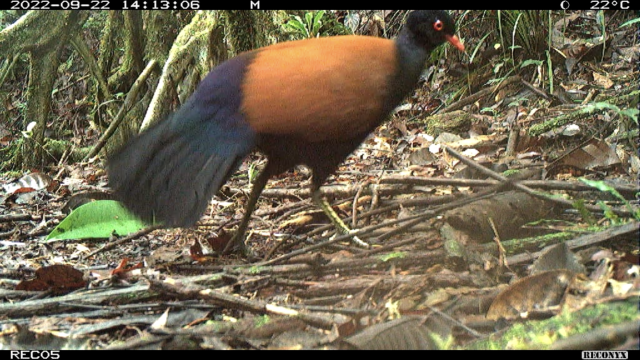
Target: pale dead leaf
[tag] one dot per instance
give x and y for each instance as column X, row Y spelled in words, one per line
column 602, row 80
column 161, row 323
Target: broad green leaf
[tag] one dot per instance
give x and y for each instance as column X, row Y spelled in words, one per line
column 97, row 219
column 317, row 23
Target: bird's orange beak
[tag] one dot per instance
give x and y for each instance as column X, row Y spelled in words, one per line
column 455, row 42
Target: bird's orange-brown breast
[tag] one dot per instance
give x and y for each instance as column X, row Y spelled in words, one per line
column 319, row 89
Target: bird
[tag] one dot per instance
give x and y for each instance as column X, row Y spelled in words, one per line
column 307, row 102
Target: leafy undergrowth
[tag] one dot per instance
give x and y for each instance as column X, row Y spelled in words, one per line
column 507, row 250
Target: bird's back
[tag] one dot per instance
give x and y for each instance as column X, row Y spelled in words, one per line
column 319, row 89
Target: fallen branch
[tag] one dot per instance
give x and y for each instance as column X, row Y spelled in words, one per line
column 627, row 191
column 479, row 95
column 519, row 186
column 582, row 241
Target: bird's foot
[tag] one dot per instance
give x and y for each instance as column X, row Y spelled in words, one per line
column 341, row 227
column 236, row 245
column 344, row 230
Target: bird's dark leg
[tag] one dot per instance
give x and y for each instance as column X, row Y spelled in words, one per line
column 328, row 210
column 238, row 239
column 341, row 227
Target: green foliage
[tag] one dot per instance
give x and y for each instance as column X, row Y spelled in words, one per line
column 631, row 113
column 603, row 28
column 443, row 343
column 252, row 173
column 549, row 70
column 14, row 155
column 524, row 28
column 510, row 172
column 314, row 24
column 8, row 17
column 540, row 334
column 97, row 219
column 96, row 22
column 478, row 47
column 584, row 213
column 518, row 101
column 630, row 22
column 306, row 28
column 531, row 62
column 604, row 187
column 255, row 270
column 539, row 64
column 11, row 155
column 489, row 110
column 609, row 214
column 261, row 320
column 394, row 255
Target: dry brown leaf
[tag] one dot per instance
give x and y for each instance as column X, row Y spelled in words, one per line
column 557, row 257
column 602, row 80
column 406, row 333
column 535, row 292
column 594, row 154
column 58, row 278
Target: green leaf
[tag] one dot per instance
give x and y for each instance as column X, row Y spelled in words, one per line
column 584, row 213
column 261, row 320
column 475, row 51
column 97, row 219
column 390, row 256
column 608, row 213
column 630, row 22
column 549, row 70
column 602, row 186
column 531, row 62
column 317, row 23
column 631, row 113
column 308, row 18
column 297, row 25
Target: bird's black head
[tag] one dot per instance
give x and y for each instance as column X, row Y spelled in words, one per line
column 431, row 28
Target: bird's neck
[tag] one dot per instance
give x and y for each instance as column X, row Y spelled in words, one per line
column 407, row 41
column 411, row 57
column 412, row 53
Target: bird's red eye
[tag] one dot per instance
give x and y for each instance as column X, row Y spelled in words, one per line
column 438, row 25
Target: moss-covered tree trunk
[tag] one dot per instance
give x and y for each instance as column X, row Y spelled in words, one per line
column 198, row 47
column 132, row 58
column 42, row 75
column 41, row 35
column 160, row 31
column 109, row 41
column 249, row 30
